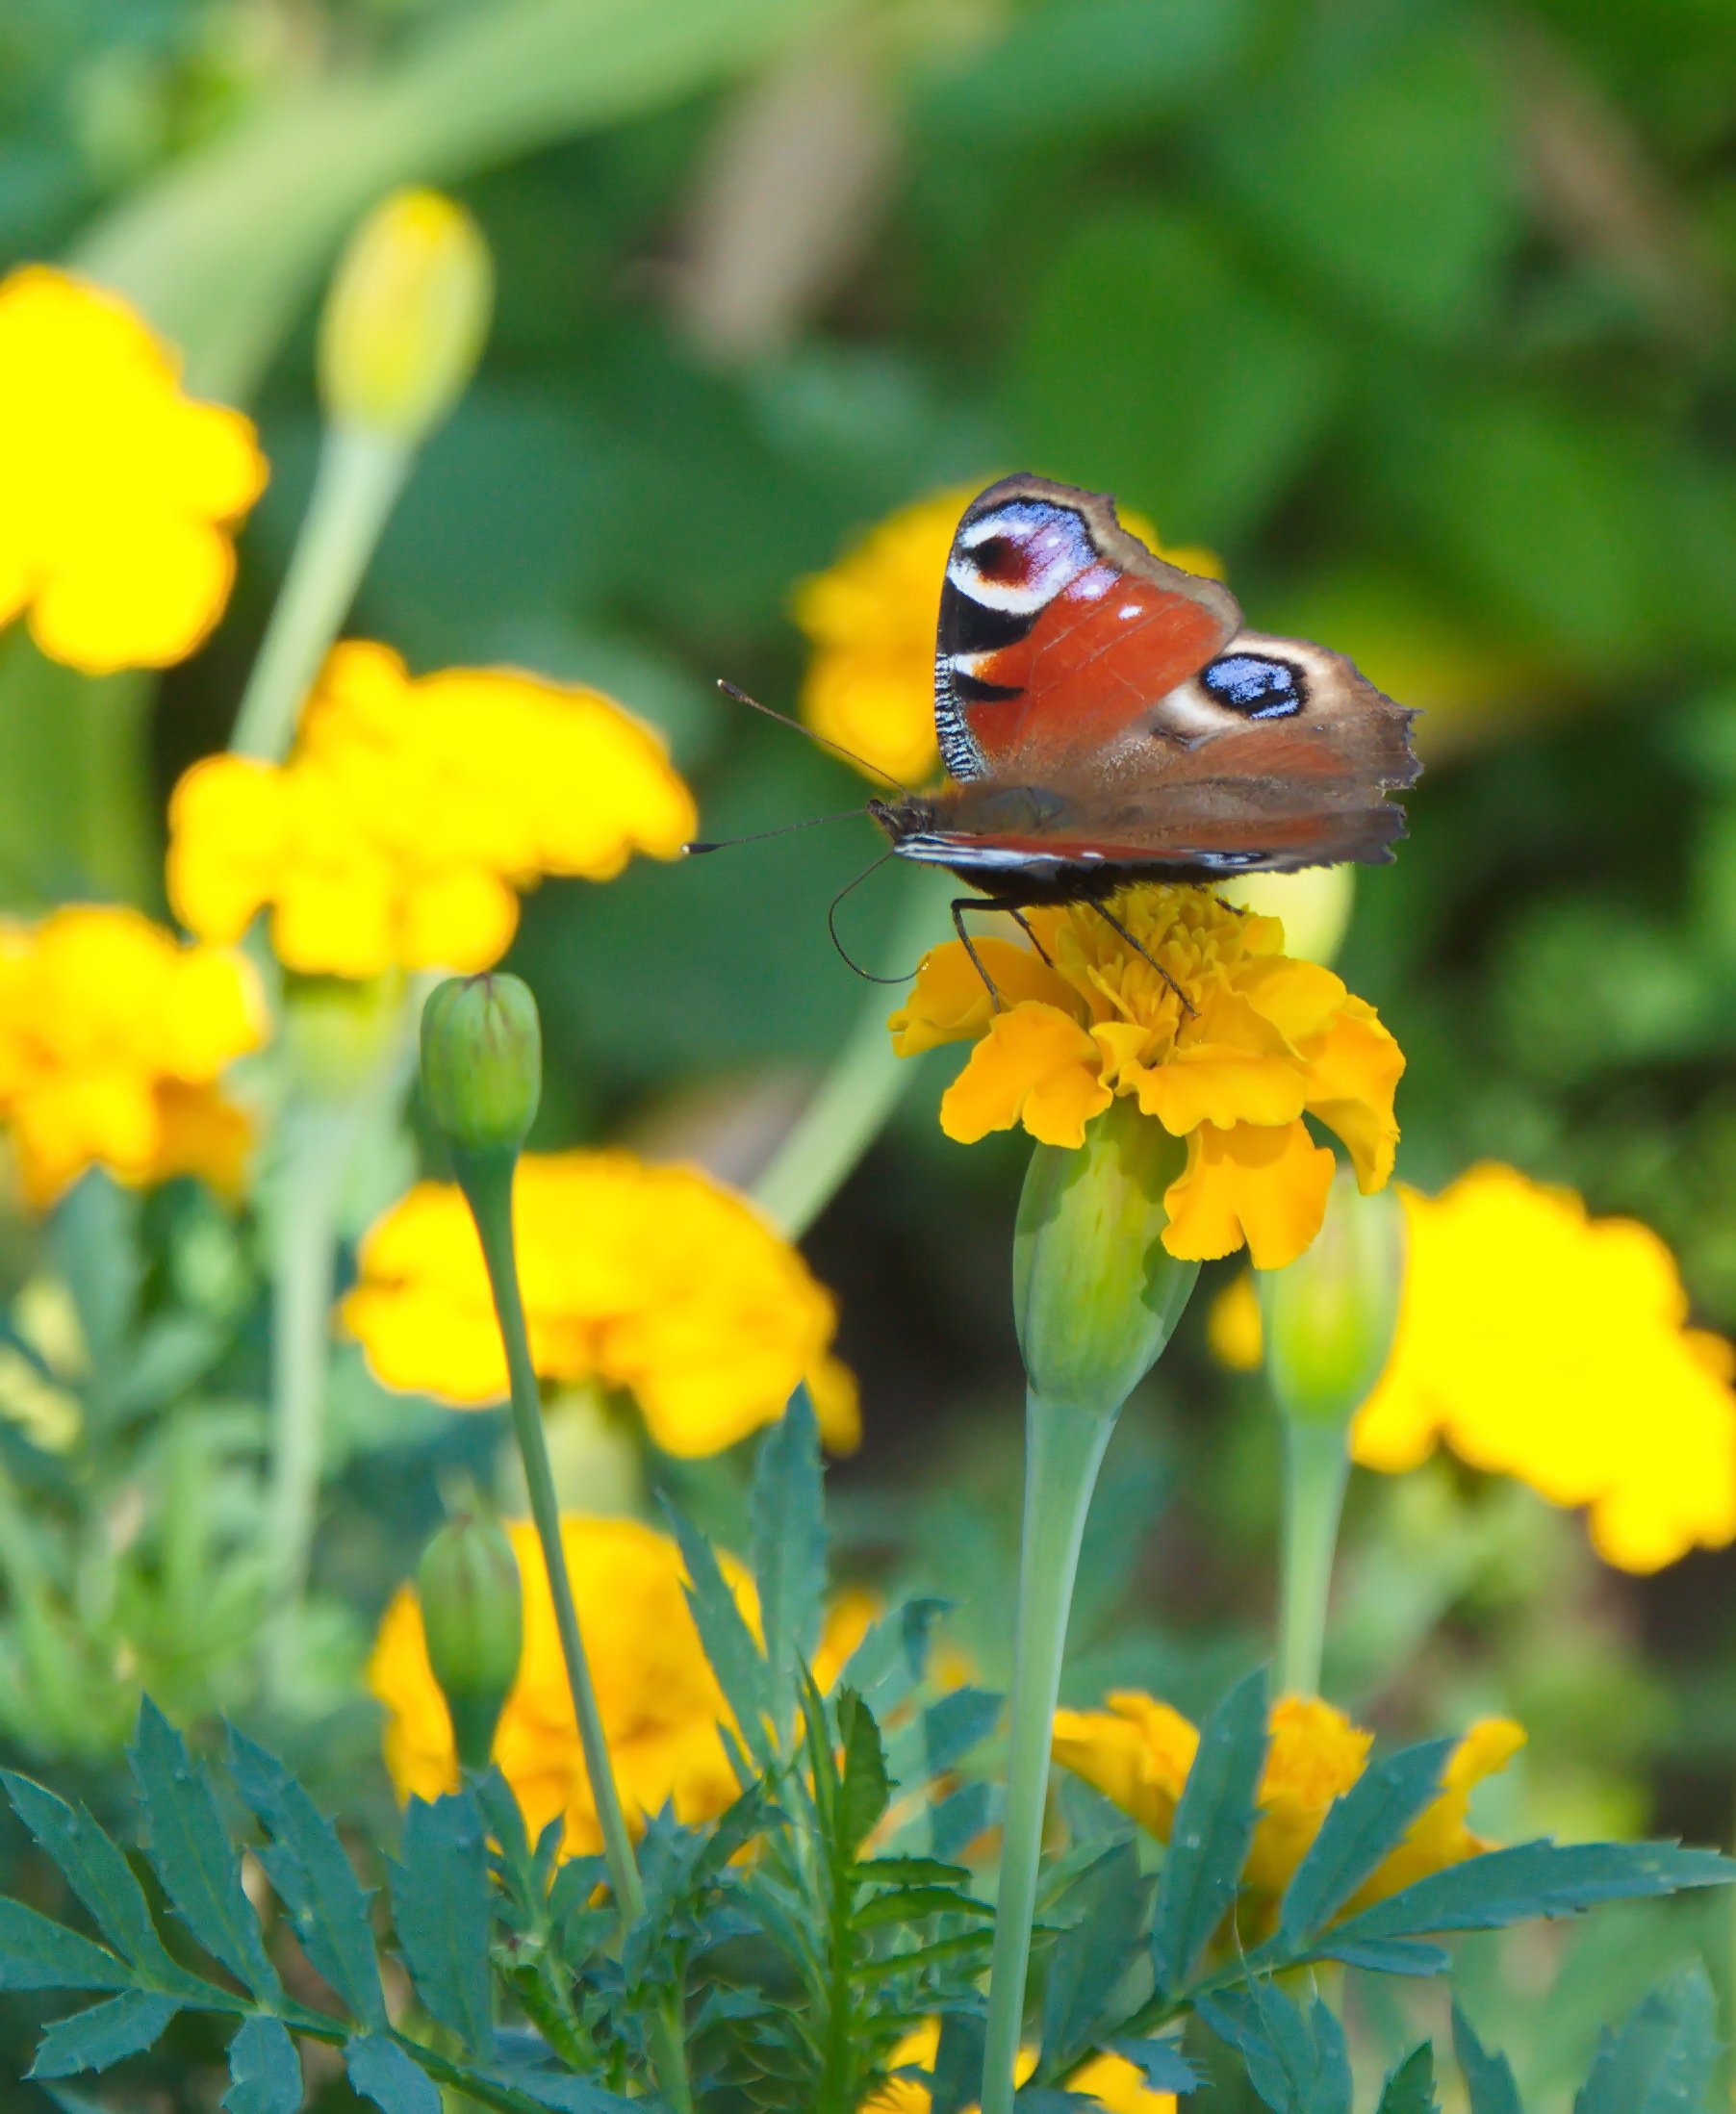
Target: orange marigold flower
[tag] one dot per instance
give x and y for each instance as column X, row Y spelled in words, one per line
column 1110, row 2081
column 121, row 494
column 412, row 812
column 114, row 1038
column 657, row 1281
column 1138, row 1752
column 1269, row 1041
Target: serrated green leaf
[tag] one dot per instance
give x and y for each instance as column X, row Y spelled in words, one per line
column 1161, row 2064
column 1212, row 1833
column 1662, row 2059
column 939, row 1738
column 1299, row 2063
column 439, row 1909
column 1410, row 2088
column 380, row 2070
column 864, row 1788
column 1359, row 1828
column 193, row 1856
column 729, row 1646
column 1489, row 2080
column 957, row 2077
column 35, row 1952
column 102, row 2036
column 960, row 1816
column 306, row 1863
column 265, row 2071
column 1105, row 1911
column 565, row 2095
column 911, row 1905
column 925, row 1956
column 786, row 1513
column 916, row 1871
column 1536, row 1880
column 1384, row 1955
column 891, row 1661
column 98, row 1872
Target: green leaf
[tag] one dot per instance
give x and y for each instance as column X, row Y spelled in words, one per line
column 865, row 1788
column 380, row 2070
column 787, row 1516
column 1490, row 2084
column 1108, row 1908
column 1662, row 2059
column 892, row 1660
column 942, row 1736
column 1384, row 1955
column 36, row 1952
column 1299, row 2064
column 913, row 1872
column 306, row 1863
column 1359, row 1830
column 1543, row 1878
column 193, row 1854
column 98, row 1874
column 265, row 2071
column 97, row 2038
column 1410, row 2088
column 957, row 2074
column 925, row 1956
column 565, row 2094
column 735, row 1657
column 911, row 1905
column 1161, row 2063
column 440, row 1906
column 1213, row 1828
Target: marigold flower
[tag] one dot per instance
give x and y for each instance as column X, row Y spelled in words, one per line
column 1110, row 2082
column 870, row 619
column 1138, row 1753
column 656, row 1281
column 113, row 1037
column 1269, row 1040
column 411, row 812
column 121, row 494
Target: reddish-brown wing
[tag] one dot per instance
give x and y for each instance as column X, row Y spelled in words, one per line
column 1059, row 630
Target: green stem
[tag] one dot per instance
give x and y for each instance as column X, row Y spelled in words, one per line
column 1316, row 1465
column 359, row 478
column 1063, row 1450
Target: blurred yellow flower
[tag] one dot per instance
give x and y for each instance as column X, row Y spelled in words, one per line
column 1111, row 2081
column 870, row 619
column 654, row 1280
column 121, row 494
column 113, row 1037
column 1270, row 1039
column 1139, row 1752
column 410, row 813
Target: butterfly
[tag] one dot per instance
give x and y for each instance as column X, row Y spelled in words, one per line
column 1105, row 718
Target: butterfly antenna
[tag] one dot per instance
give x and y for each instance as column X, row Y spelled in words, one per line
column 831, row 926
column 820, row 740
column 758, row 836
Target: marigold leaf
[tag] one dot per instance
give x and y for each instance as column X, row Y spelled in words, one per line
column 865, row 1788
column 1662, row 2059
column 192, row 1855
column 440, row 1907
column 1489, row 2080
column 1161, row 2063
column 1297, row 2063
column 1385, row 1955
column 1109, row 1906
column 564, row 2093
column 380, row 2070
column 265, row 2071
column 910, row 1871
column 788, row 1524
column 892, row 1660
column 941, row 1736
column 735, row 1657
column 957, row 2077
column 1359, row 1829
column 1410, row 2087
column 913, row 1904
column 35, row 1952
column 921, row 1957
column 102, row 2036
column 98, row 1872
column 955, row 1823
column 306, row 1863
column 1213, row 1828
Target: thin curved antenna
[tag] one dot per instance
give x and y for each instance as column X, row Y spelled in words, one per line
column 820, row 741
column 831, row 926
column 758, row 836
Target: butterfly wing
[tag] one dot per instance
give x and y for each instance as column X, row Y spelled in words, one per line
column 1059, row 630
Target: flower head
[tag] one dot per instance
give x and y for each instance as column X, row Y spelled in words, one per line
column 1269, row 1040
column 870, row 619
column 121, row 494
column 1108, row 2080
column 411, row 812
column 1138, row 1753
column 113, row 1040
column 656, row 1281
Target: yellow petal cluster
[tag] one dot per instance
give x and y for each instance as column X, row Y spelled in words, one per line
column 412, row 811
column 1138, row 1752
column 121, row 494
column 1110, row 2081
column 656, row 1281
column 114, row 1038
column 870, row 619
column 1269, row 1040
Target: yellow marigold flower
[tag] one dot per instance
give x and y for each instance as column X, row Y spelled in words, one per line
column 1138, row 1753
column 1270, row 1040
column 870, row 619
column 1111, row 2081
column 121, row 494
column 412, row 812
column 113, row 1037
column 656, row 1281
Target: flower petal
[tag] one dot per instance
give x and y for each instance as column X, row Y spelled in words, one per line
column 949, row 1002
column 1035, row 1065
column 1354, row 1072
column 1264, row 1185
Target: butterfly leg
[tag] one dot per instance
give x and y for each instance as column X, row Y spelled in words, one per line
column 1110, row 918
column 1026, row 926
column 959, row 906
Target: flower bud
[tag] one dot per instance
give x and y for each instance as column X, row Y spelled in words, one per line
column 1329, row 1319
column 1096, row 1295
column 482, row 1062
column 405, row 317
column 473, row 1618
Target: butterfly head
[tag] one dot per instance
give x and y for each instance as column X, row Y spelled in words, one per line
column 900, row 819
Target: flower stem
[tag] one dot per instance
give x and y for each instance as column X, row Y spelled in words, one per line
column 1063, row 1450
column 1317, row 1465
column 357, row 483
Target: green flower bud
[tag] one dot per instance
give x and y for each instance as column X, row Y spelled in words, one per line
column 482, row 1062
column 1329, row 1319
column 472, row 1618
column 406, row 317
column 1096, row 1295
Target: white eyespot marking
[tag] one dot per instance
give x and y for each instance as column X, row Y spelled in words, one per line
column 1128, row 611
